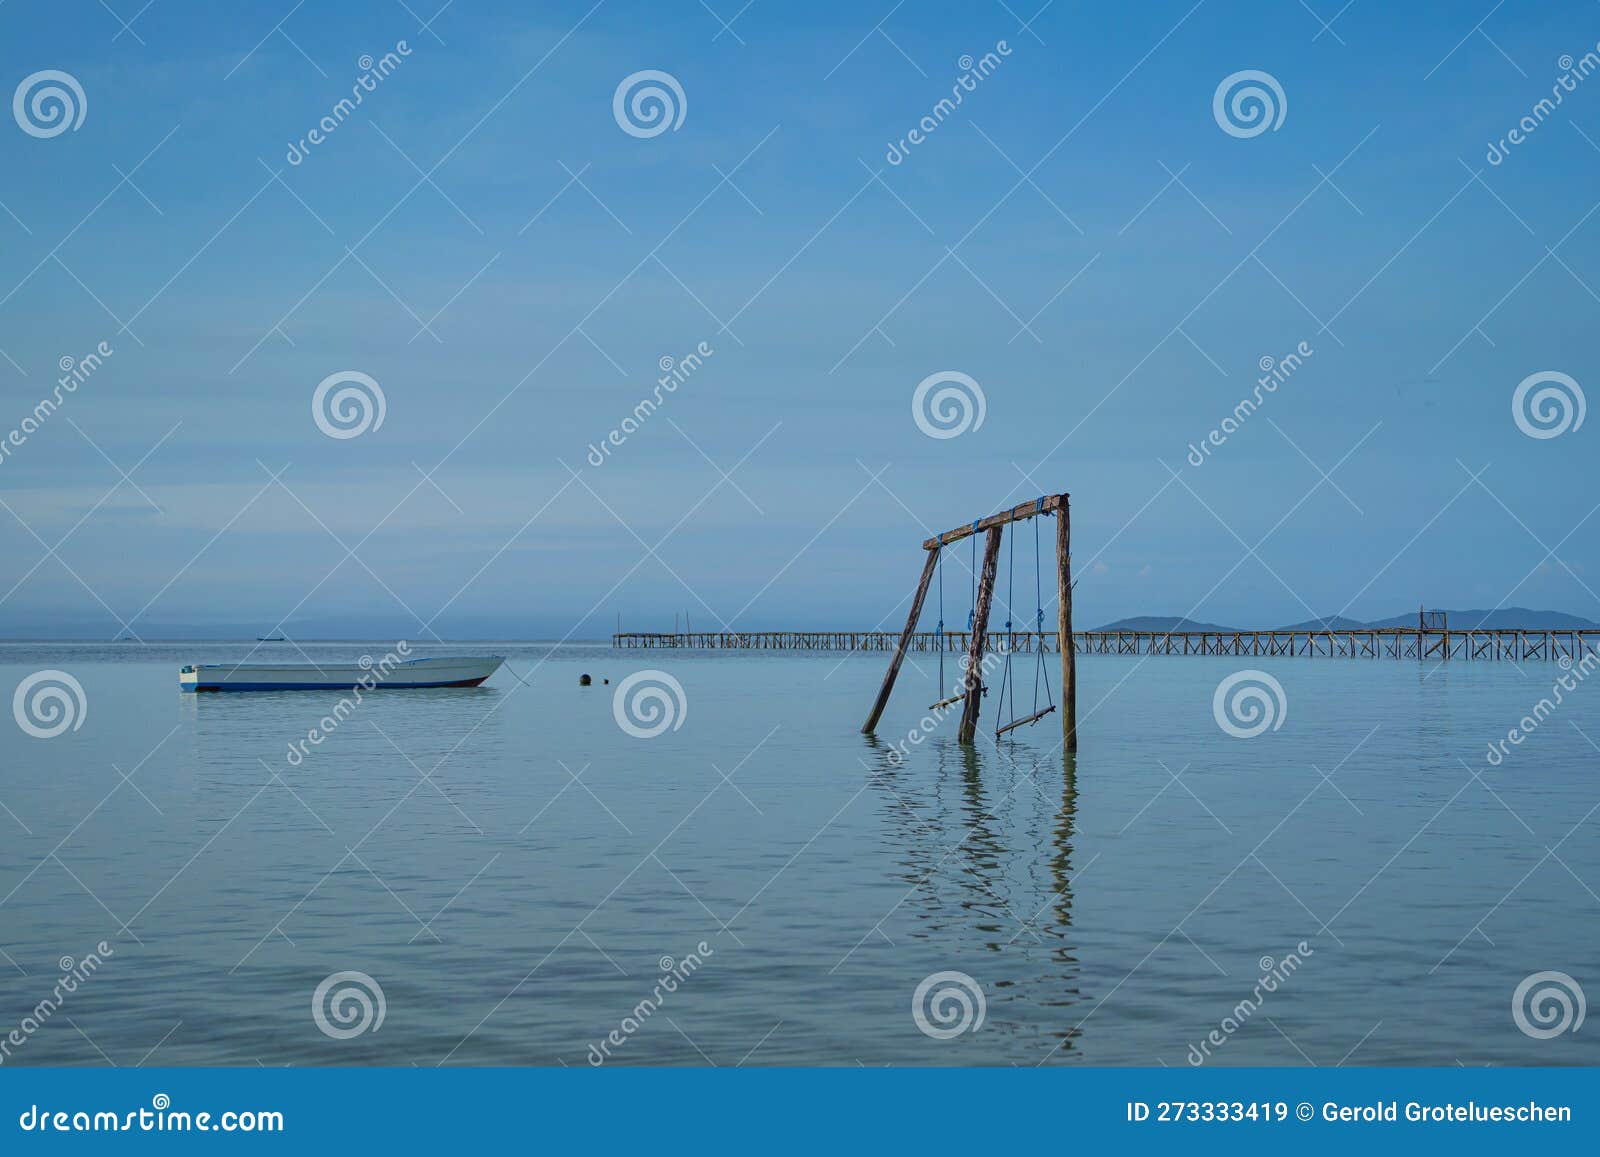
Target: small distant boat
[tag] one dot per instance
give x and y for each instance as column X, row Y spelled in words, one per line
column 443, row 671
column 272, row 639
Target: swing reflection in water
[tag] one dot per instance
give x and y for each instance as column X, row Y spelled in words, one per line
column 988, row 835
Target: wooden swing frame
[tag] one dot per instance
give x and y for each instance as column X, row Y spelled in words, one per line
column 973, row 691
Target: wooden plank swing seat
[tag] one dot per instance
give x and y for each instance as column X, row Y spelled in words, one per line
column 1025, row 720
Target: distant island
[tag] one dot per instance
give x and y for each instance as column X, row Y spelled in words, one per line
column 1504, row 619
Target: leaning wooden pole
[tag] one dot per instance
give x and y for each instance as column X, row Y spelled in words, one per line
column 905, row 642
column 1069, row 657
column 980, row 636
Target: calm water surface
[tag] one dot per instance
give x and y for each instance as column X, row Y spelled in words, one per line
column 511, row 867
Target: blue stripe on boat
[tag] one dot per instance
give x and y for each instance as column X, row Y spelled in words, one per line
column 194, row 687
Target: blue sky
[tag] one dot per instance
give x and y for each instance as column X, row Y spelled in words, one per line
column 1084, row 187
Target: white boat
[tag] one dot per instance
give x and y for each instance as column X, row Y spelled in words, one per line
column 442, row 671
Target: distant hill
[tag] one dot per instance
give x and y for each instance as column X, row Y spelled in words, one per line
column 1504, row 619
column 1160, row 623
column 1331, row 623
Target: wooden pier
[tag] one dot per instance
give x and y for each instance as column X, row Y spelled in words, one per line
column 1441, row 644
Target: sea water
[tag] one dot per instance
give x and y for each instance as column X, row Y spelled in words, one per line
column 717, row 867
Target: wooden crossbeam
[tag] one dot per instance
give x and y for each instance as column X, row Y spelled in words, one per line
column 1034, row 507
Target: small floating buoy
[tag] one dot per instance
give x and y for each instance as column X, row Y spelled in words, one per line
column 584, row 680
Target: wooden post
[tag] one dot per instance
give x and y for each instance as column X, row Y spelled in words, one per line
column 980, row 635
column 905, row 641
column 1069, row 658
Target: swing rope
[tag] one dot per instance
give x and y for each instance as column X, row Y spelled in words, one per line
column 1007, row 683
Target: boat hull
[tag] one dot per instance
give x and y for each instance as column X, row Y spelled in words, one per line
column 410, row 675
